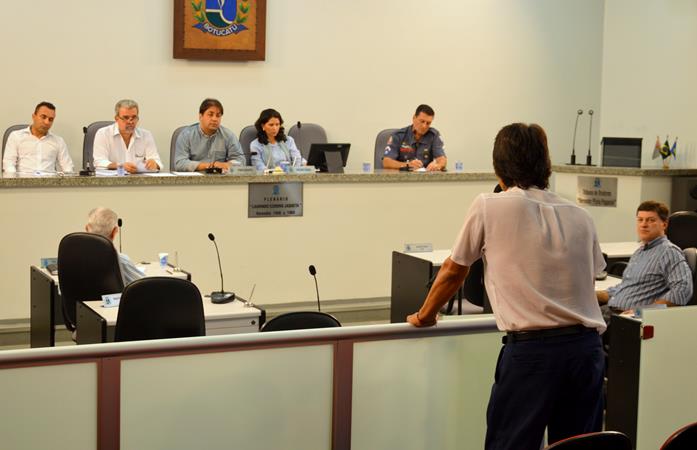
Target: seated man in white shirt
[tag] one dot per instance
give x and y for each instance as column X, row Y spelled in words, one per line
column 35, row 148
column 123, row 143
column 103, row 221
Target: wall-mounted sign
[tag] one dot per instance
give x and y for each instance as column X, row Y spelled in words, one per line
column 597, row 191
column 233, row 30
column 275, row 200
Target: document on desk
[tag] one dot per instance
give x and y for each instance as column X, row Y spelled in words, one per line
column 158, row 174
column 188, row 174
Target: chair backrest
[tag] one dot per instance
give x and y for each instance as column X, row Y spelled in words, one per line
column 173, row 146
column 603, row 440
column 682, row 229
column 380, row 144
column 683, row 439
column 160, row 308
column 306, row 134
column 88, row 267
column 88, row 141
column 617, row 268
column 301, row 320
column 691, row 257
column 247, row 135
column 10, row 130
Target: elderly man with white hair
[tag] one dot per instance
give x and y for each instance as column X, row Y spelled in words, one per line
column 103, row 221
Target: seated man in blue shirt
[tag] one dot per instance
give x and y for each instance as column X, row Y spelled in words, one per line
column 103, row 221
column 657, row 272
column 417, row 145
column 207, row 144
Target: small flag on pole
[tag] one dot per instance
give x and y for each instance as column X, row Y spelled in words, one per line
column 674, row 148
column 656, row 149
column 665, row 149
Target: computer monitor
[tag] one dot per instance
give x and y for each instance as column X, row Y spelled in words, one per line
column 621, row 152
column 329, row 157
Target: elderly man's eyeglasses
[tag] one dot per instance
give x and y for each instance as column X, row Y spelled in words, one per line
column 128, row 118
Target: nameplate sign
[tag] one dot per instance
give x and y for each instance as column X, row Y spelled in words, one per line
column 111, row 300
column 243, row 170
column 597, row 191
column 275, row 200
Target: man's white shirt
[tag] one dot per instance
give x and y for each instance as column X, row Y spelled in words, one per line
column 109, row 147
column 26, row 153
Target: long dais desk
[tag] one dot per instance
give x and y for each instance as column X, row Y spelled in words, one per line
column 96, row 324
column 46, row 301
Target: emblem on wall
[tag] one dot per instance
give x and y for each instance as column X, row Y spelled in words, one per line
column 221, row 17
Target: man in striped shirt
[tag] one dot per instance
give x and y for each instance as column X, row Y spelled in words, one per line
column 657, row 272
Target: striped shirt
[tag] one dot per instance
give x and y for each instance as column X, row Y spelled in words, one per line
column 129, row 271
column 656, row 271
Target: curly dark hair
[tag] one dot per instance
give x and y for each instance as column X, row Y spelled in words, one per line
column 521, row 156
column 264, row 117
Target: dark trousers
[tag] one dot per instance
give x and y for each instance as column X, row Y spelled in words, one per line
column 548, row 382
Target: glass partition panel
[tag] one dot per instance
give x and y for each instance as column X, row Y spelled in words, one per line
column 426, row 393
column 51, row 406
column 255, row 399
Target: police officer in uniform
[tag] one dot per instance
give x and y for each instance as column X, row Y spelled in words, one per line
column 417, row 145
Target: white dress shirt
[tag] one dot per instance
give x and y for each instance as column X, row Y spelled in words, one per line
column 541, row 254
column 25, row 153
column 109, row 147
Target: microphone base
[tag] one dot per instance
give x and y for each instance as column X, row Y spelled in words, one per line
column 573, row 160
column 222, row 297
column 589, row 160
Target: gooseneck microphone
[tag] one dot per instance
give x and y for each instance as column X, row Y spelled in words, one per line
column 589, row 158
column 119, row 222
column 220, row 296
column 313, row 272
column 573, row 146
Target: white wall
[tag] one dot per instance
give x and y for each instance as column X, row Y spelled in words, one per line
column 355, row 67
column 649, row 70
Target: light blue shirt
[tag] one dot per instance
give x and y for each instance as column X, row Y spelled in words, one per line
column 657, row 270
column 260, row 160
column 194, row 147
column 129, row 271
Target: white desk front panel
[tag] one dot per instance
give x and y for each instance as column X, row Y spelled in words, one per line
column 252, row 400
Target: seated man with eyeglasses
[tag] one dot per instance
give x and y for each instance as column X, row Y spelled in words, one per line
column 124, row 144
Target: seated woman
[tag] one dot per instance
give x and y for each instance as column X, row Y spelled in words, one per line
column 272, row 146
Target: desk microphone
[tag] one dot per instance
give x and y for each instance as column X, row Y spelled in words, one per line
column 573, row 147
column 119, row 222
column 589, row 158
column 220, row 296
column 313, row 272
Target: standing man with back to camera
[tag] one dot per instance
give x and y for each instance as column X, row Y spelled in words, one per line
column 541, row 255
column 417, row 145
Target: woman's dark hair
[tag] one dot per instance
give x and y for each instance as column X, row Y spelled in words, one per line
column 521, row 156
column 264, row 117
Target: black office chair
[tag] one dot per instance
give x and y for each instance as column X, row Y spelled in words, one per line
column 691, row 257
column 682, row 229
column 301, row 320
column 602, row 440
column 160, row 308
column 88, row 267
column 683, row 439
column 617, row 268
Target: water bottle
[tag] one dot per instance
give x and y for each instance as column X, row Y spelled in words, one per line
column 120, row 171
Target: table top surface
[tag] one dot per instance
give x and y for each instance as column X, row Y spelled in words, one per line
column 212, row 311
column 149, row 269
column 611, row 249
